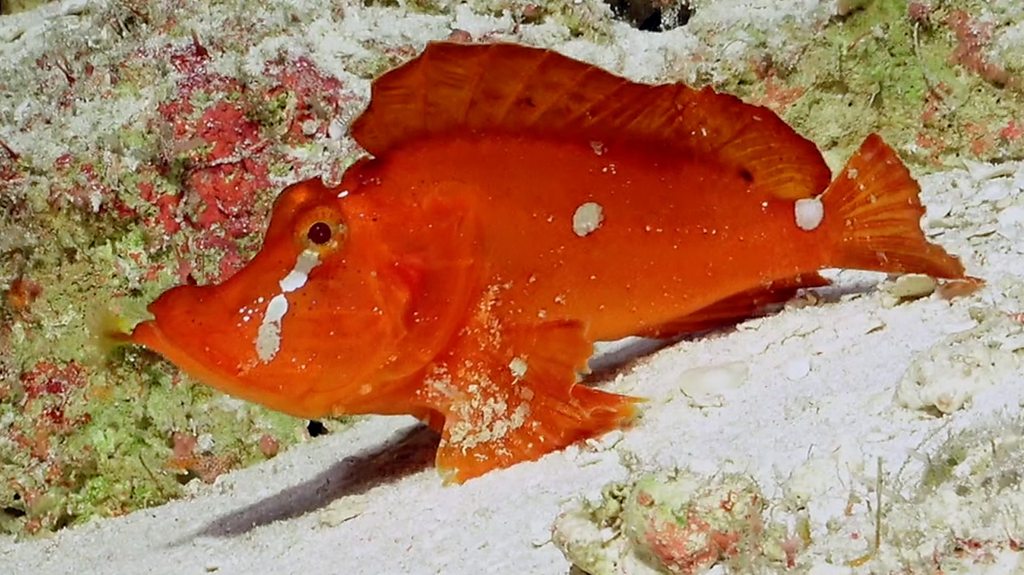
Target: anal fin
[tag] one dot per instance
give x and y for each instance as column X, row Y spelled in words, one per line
column 511, row 395
column 737, row 307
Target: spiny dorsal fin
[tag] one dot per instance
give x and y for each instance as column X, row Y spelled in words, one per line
column 462, row 88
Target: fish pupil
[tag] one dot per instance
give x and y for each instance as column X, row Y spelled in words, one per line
column 319, row 233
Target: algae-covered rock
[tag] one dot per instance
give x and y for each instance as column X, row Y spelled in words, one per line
column 949, row 374
column 672, row 522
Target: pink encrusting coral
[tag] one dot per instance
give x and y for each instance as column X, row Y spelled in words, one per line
column 973, row 37
column 680, row 523
column 51, row 398
column 160, row 168
column 225, row 135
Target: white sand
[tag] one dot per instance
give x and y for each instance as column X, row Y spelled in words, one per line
column 811, row 411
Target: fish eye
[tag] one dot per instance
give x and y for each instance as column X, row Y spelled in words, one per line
column 319, row 233
column 321, row 229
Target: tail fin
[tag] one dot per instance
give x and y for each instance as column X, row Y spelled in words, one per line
column 873, row 211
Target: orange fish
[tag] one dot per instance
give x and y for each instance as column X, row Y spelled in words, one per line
column 518, row 206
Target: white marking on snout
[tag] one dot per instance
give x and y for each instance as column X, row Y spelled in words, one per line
column 268, row 336
column 296, row 278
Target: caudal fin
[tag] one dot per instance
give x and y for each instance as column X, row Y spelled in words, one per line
column 873, row 212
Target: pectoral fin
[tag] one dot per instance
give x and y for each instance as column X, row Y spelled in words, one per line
column 511, row 395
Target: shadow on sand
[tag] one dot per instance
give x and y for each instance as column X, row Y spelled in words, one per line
column 407, row 452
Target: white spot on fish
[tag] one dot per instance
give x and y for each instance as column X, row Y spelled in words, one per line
column 587, row 219
column 598, row 147
column 342, row 194
column 268, row 336
column 518, row 367
column 809, row 213
column 296, row 278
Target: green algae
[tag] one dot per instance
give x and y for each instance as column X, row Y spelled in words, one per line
column 15, row 6
column 879, row 70
column 104, row 443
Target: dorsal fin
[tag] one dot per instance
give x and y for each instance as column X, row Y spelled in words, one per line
column 506, row 88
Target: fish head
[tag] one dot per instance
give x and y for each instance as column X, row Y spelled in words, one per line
column 306, row 325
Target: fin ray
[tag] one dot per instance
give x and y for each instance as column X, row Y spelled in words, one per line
column 873, row 212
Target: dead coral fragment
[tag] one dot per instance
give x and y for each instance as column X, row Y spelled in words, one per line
column 964, row 516
column 678, row 523
column 954, row 370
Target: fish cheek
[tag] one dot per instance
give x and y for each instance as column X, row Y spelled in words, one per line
column 340, row 336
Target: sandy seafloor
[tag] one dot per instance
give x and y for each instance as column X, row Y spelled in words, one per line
column 803, row 401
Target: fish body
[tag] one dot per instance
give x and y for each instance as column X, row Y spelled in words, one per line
column 519, row 206
column 669, row 236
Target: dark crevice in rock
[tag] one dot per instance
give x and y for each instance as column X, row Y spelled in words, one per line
column 653, row 15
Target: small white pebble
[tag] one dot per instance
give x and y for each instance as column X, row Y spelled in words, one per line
column 342, row 510
column 205, row 442
column 809, row 213
column 336, row 129
column 309, row 127
column 912, row 286
column 704, row 386
column 587, row 219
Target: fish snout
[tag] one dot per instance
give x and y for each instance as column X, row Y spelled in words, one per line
column 148, row 335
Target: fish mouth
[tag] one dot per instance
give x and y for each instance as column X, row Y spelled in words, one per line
column 149, row 335
column 214, row 374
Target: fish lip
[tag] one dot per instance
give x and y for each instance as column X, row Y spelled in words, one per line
column 148, row 335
